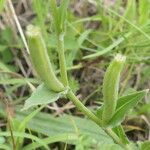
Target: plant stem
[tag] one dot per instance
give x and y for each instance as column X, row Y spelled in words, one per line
column 62, row 61
column 116, row 139
column 94, row 118
column 82, row 108
column 75, row 100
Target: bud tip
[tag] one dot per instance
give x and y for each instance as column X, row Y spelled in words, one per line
column 120, row 57
column 32, row 30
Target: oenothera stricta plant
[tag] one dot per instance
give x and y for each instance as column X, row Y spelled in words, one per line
column 111, row 114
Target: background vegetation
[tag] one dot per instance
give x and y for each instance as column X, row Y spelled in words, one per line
column 95, row 32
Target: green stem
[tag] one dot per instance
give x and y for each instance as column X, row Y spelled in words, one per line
column 116, row 139
column 71, row 95
column 62, row 62
column 94, row 118
column 75, row 100
column 83, row 109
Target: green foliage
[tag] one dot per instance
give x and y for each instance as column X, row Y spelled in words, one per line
column 2, row 3
column 24, row 135
column 23, row 124
column 109, row 48
column 41, row 8
column 144, row 109
column 99, row 111
column 63, row 14
column 120, row 132
column 59, row 15
column 72, row 37
column 6, row 42
column 49, row 125
column 144, row 11
column 42, row 96
column 5, row 147
column 124, row 104
column 40, row 59
column 74, row 85
column 111, row 87
column 130, row 12
column 144, row 145
column 2, row 140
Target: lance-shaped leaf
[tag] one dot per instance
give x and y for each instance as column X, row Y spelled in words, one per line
column 2, row 3
column 63, row 14
column 144, row 145
column 42, row 95
column 99, row 112
column 124, row 104
column 121, row 134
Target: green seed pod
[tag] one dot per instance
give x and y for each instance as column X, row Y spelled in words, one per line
column 40, row 59
column 111, row 87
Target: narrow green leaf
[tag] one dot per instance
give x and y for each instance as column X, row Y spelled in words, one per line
column 4, row 67
column 109, row 48
column 2, row 3
column 128, row 21
column 55, row 15
column 144, row 145
column 21, row 127
column 24, row 135
column 145, row 109
column 84, row 36
column 63, row 14
column 41, row 10
column 42, row 96
column 121, row 134
column 144, row 11
column 52, row 139
column 56, row 127
column 2, row 140
column 99, row 112
column 130, row 12
column 49, row 125
column 5, row 147
column 105, row 146
column 21, row 81
column 124, row 104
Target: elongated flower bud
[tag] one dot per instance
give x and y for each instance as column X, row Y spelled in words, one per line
column 111, row 86
column 40, row 59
